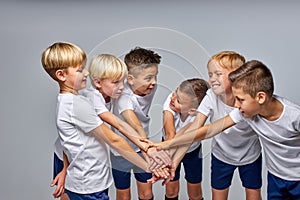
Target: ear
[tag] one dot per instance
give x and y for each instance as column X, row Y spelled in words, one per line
column 130, row 78
column 261, row 97
column 192, row 111
column 97, row 83
column 60, row 75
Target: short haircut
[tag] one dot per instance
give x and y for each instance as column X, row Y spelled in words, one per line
column 139, row 58
column 253, row 77
column 196, row 88
column 104, row 66
column 229, row 60
column 62, row 55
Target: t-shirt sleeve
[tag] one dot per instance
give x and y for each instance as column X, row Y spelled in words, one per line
column 166, row 105
column 205, row 106
column 125, row 103
column 99, row 104
column 85, row 116
column 236, row 115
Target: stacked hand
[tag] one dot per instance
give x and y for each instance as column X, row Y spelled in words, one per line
column 160, row 162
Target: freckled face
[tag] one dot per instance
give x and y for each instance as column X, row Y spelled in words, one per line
column 218, row 78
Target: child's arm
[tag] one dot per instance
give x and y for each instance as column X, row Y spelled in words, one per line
column 120, row 145
column 131, row 118
column 169, row 126
column 124, row 128
column 132, row 135
column 60, row 179
column 179, row 151
column 194, row 133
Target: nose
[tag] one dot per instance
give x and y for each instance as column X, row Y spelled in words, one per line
column 121, row 86
column 154, row 81
column 237, row 104
column 86, row 72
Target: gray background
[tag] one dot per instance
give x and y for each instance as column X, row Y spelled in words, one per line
column 264, row 30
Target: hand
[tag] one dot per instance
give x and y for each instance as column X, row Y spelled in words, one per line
column 160, row 159
column 169, row 174
column 60, row 181
column 158, row 145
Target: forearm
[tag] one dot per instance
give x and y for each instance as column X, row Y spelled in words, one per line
column 133, row 135
column 120, row 145
column 126, row 151
column 193, row 134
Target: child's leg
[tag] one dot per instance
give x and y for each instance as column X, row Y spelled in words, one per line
column 144, row 188
column 282, row 189
column 172, row 188
column 250, row 176
column 221, row 177
column 192, row 162
column 121, row 171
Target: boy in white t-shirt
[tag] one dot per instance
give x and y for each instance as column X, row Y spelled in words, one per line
column 83, row 136
column 107, row 74
column 180, row 108
column 133, row 107
column 275, row 119
column 237, row 147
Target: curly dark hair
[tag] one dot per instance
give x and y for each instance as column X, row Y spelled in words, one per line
column 140, row 57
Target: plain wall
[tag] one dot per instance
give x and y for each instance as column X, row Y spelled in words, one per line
column 185, row 33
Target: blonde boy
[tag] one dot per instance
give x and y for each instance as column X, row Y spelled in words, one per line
column 82, row 134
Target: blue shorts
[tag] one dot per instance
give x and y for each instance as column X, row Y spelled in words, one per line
column 222, row 173
column 58, row 165
column 279, row 189
column 103, row 195
column 121, row 171
column 192, row 163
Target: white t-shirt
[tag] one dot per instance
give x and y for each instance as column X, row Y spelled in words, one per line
column 280, row 139
column 139, row 104
column 89, row 168
column 97, row 100
column 178, row 123
column 238, row 145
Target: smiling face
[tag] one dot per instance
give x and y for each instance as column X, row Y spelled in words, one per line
column 144, row 81
column 247, row 105
column 218, row 78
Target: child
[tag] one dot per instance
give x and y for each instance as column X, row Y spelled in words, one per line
column 107, row 74
column 83, row 136
column 180, row 109
column 237, row 147
column 277, row 122
column 133, row 107
column 275, row 119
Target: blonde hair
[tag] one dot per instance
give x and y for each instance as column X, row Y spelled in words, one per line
column 229, row 60
column 62, row 55
column 104, row 66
